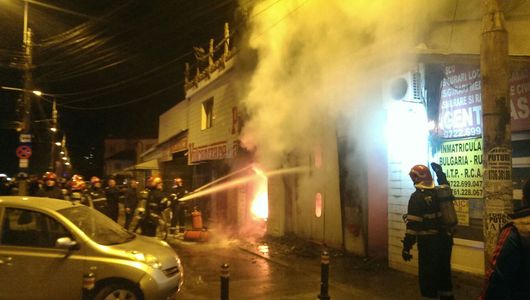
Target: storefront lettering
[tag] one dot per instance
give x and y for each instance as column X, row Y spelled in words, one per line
column 210, row 152
column 460, row 103
column 462, row 162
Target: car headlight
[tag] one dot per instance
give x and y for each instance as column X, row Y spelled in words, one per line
column 148, row 259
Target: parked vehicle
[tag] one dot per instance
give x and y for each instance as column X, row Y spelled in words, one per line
column 55, row 249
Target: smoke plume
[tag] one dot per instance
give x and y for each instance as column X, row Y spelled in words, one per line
column 318, row 60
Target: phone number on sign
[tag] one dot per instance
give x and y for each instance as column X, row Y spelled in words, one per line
column 467, row 192
column 465, row 184
column 460, row 132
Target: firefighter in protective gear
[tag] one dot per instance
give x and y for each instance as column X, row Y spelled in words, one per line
column 177, row 209
column 97, row 195
column 155, row 204
column 50, row 188
column 435, row 242
column 78, row 192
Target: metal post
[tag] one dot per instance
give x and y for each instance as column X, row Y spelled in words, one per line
column 28, row 85
column 324, row 276
column 225, row 281
column 497, row 149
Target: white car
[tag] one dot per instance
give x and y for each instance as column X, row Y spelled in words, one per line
column 54, row 249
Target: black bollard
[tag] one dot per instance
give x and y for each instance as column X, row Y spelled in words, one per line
column 324, row 276
column 225, row 280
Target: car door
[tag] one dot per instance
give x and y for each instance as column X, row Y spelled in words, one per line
column 31, row 267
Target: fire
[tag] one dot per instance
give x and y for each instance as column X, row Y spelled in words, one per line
column 260, row 203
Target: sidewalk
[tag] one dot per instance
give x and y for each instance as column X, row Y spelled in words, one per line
column 370, row 278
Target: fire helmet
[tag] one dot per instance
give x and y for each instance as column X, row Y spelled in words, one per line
column 421, row 176
column 153, row 181
column 49, row 176
column 77, row 185
column 94, row 180
column 77, row 177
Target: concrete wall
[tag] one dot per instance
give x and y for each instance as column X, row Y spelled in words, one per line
column 460, row 31
column 292, row 197
column 224, row 100
column 173, row 121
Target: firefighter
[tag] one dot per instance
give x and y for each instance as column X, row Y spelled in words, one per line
column 50, row 188
column 155, row 204
column 130, row 202
column 177, row 209
column 78, row 191
column 424, row 227
column 97, row 195
column 113, row 199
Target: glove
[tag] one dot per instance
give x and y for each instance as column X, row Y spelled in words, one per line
column 440, row 175
column 406, row 255
column 408, row 242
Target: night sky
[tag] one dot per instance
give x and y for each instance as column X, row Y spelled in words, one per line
column 113, row 66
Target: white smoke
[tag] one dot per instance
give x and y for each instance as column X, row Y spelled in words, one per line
column 318, row 59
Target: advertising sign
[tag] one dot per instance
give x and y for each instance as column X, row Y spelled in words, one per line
column 462, row 211
column 461, row 104
column 462, row 162
column 519, row 96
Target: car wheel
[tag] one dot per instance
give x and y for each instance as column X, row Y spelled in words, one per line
column 118, row 291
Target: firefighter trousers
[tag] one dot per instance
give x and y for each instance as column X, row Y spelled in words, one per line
column 434, row 266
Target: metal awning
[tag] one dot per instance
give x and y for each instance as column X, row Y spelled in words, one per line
column 146, row 165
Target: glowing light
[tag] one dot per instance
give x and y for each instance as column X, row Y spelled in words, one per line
column 53, row 129
column 318, row 205
column 263, row 249
column 260, row 204
column 407, row 133
column 59, row 144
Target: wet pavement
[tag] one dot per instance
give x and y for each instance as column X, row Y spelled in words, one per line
column 289, row 268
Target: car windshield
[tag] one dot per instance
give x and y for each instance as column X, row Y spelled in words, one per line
column 97, row 226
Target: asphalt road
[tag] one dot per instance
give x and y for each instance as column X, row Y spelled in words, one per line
column 251, row 276
column 277, row 276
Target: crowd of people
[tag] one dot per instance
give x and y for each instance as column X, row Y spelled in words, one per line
column 107, row 196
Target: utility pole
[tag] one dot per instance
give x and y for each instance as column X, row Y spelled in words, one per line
column 25, row 136
column 53, row 133
column 497, row 147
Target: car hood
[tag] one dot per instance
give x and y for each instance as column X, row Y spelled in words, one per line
column 148, row 245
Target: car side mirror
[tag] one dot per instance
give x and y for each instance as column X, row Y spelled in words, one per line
column 66, row 243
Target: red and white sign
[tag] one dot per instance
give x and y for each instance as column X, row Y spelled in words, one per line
column 23, row 151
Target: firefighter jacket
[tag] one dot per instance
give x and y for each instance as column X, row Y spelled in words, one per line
column 423, row 216
column 509, row 275
column 50, row 192
column 156, row 200
column 98, row 199
column 131, row 198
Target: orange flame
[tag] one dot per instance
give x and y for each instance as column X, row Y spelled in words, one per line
column 260, row 203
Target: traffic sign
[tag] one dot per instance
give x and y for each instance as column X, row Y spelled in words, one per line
column 23, row 151
column 25, row 138
column 23, row 163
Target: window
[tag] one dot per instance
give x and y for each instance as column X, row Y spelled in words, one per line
column 29, row 228
column 207, row 114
